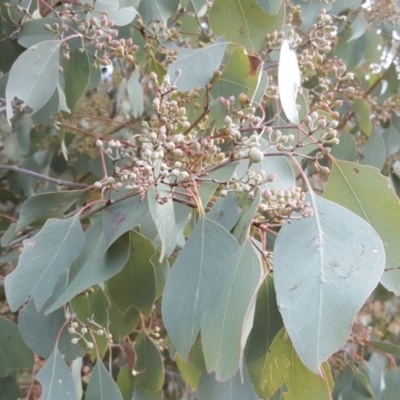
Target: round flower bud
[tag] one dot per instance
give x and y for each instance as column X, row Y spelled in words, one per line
column 255, row 155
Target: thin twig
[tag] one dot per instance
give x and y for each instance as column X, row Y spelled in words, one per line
column 44, row 177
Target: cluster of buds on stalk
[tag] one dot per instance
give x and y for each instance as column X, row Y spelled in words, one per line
column 80, row 332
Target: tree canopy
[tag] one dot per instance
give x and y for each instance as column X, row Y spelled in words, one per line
column 199, row 199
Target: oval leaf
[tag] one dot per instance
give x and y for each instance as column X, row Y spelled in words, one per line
column 195, row 67
column 244, row 22
column 334, row 262
column 35, row 85
column 289, row 81
column 227, row 322
column 101, row 385
column 193, row 278
column 363, row 190
column 14, row 353
column 283, row 366
column 56, row 379
column 45, row 257
column 234, row 389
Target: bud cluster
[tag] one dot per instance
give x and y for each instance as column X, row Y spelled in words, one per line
column 80, row 332
column 279, row 205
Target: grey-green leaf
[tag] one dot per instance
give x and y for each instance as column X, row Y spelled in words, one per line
column 195, row 67
column 234, row 389
column 123, row 217
column 289, row 81
column 97, row 262
column 358, row 28
column 228, row 319
column 56, row 379
column 161, row 208
column 160, row 10
column 325, row 267
column 14, row 353
column 192, row 280
column 101, row 385
column 135, row 285
column 76, row 76
column 346, row 149
column 46, row 205
column 40, row 332
column 34, row 85
column 114, row 10
column 270, row 6
column 135, row 93
column 45, row 257
column 374, row 152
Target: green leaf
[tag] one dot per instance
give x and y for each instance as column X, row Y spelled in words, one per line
column 23, row 125
column 289, row 81
column 392, row 383
column 222, row 174
column 195, row 67
column 149, row 365
column 40, row 332
column 261, row 88
column 95, row 306
column 33, row 32
column 161, row 208
column 97, row 262
column 244, row 22
column 226, row 211
column 56, row 379
column 101, row 385
column 193, row 368
column 157, row 10
column 373, row 52
column 194, row 5
column 363, row 114
column 280, row 166
column 241, row 74
column 333, row 263
column 34, row 86
column 135, row 93
column 123, row 324
column 234, row 389
column 227, row 321
column 283, row 366
column 161, row 271
column 351, row 385
column 76, row 76
column 358, row 28
column 43, row 206
column 9, row 389
column 120, row 15
column 363, row 190
column 374, row 152
column 135, row 285
column 122, row 217
column 14, row 353
column 125, row 382
column 310, row 11
column 346, row 149
column 267, row 324
column 241, row 229
column 195, row 275
column 391, row 137
column 375, row 369
column 353, row 52
column 141, row 394
column 45, row 257
column 385, row 347
column 270, row 6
